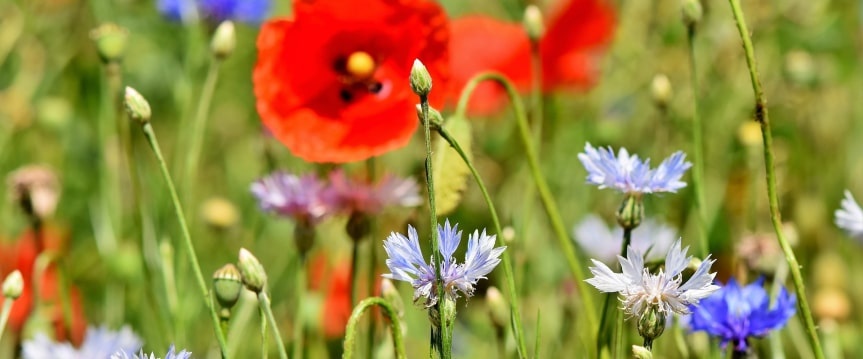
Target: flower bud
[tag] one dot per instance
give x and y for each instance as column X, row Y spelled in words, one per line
column 35, row 189
column 227, row 285
column 219, row 213
column 660, row 90
column 434, row 115
column 641, row 352
column 651, row 324
column 631, row 211
column 110, row 41
column 358, row 226
column 136, row 106
column 252, row 272
column 421, row 81
column 13, row 285
column 498, row 309
column 532, row 23
column 448, row 311
column 508, row 234
column 224, row 40
column 691, row 11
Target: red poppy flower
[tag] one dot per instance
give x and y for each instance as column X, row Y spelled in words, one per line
column 22, row 256
column 332, row 83
column 576, row 32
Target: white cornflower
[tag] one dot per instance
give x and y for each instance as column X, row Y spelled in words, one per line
column 850, row 216
column 663, row 291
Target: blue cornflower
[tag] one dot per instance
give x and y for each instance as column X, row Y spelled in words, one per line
column 171, row 354
column 406, row 262
column 629, row 174
column 98, row 343
column 850, row 216
column 736, row 313
column 248, row 11
column 293, row 196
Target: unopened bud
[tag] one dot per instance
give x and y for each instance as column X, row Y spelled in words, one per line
column 641, row 352
column 13, row 285
column 532, row 22
column 136, row 106
column 227, row 285
column 219, row 213
column 224, row 40
column 691, row 11
column 252, row 272
column 434, row 115
column 421, row 81
column 660, row 90
column 110, row 41
column 497, row 309
column 508, row 234
column 631, row 211
column 651, row 324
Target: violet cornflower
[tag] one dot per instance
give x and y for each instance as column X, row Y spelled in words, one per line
column 285, row 194
column 353, row 196
column 406, row 263
column 734, row 313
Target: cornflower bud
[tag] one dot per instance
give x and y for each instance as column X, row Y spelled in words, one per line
column 532, row 23
column 691, row 11
column 253, row 274
column 110, row 41
column 227, row 285
column 641, row 352
column 13, row 285
column 421, row 81
column 224, row 40
column 631, row 211
column 651, row 324
column 137, row 106
column 660, row 90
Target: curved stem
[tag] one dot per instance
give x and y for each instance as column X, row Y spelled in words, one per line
column 698, row 150
column 187, row 239
column 264, row 301
column 544, row 192
column 761, row 115
column 357, row 314
column 515, row 315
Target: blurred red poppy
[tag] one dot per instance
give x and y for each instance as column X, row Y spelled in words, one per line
column 22, row 255
column 576, row 33
column 332, row 82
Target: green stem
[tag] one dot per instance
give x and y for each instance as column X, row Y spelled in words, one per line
column 264, row 301
column 357, row 314
column 187, row 239
column 446, row 334
column 536, row 345
column 515, row 315
column 299, row 326
column 698, row 183
column 4, row 314
column 199, row 126
column 355, row 249
column 265, row 352
column 761, row 115
column 536, row 91
column 611, row 319
column 373, row 251
column 544, row 192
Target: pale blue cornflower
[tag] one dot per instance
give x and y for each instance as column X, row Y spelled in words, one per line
column 285, row 194
column 652, row 239
column 629, row 174
column 99, row 343
column 663, row 292
column 171, row 354
column 850, row 216
column 406, row 263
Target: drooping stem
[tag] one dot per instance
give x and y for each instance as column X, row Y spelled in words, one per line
column 763, row 118
column 544, row 192
column 264, row 302
column 698, row 183
column 357, row 314
column 187, row 239
column 299, row 323
column 515, row 315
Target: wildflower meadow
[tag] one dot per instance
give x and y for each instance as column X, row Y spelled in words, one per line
column 431, row 178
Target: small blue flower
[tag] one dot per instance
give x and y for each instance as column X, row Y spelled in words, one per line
column 248, row 11
column 171, row 354
column 293, row 196
column 406, row 263
column 629, row 174
column 98, row 343
column 850, row 216
column 735, row 314
column 652, row 239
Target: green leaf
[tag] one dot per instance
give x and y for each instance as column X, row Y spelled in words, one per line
column 450, row 171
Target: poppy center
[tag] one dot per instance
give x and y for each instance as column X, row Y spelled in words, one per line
column 360, row 65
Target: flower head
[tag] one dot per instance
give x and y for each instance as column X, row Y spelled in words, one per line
column 850, row 216
column 347, row 195
column 651, row 239
column 576, row 32
column 171, row 354
column 290, row 195
column 99, row 343
column 665, row 291
column 735, row 313
column 629, row 174
column 406, row 263
column 332, row 83
column 249, row 11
